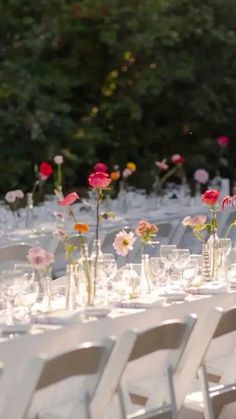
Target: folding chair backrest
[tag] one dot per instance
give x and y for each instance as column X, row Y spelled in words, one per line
column 42, row 372
column 227, row 323
column 13, row 253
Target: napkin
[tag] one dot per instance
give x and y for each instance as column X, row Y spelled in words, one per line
column 212, row 288
column 7, row 329
column 59, row 317
column 147, row 301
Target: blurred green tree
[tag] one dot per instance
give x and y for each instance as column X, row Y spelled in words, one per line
column 115, row 81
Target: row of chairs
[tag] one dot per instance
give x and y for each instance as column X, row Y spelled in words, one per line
column 104, row 364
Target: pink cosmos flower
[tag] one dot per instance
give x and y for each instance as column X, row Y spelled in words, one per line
column 39, row 258
column 127, row 172
column 177, row 159
column 123, row 242
column 99, row 180
column 69, row 199
column 201, row 176
column 58, row 159
column 100, row 167
column 162, row 165
column 194, row 221
column 10, row 197
column 223, row 141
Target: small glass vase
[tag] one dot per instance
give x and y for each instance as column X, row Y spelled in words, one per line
column 206, row 267
column 146, row 284
column 29, row 220
column 71, row 289
column 86, row 276
column 213, row 249
column 44, row 277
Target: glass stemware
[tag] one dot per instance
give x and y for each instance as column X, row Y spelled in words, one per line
column 158, row 267
column 224, row 246
column 12, row 284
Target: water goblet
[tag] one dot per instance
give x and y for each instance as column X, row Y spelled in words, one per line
column 158, row 267
column 12, row 284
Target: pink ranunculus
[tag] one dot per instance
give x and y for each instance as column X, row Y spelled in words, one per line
column 10, row 197
column 39, row 258
column 123, row 242
column 201, row 176
column 210, row 197
column 177, row 159
column 100, row 167
column 58, row 159
column 162, row 165
column 99, row 180
column 194, row 221
column 19, row 193
column 145, row 227
column 69, row 199
column 127, row 172
column 223, row 141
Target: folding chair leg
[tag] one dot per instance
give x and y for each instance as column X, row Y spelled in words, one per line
column 208, row 408
column 121, row 402
column 175, row 414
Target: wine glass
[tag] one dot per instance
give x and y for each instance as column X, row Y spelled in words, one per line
column 12, row 284
column 158, row 267
column 166, row 251
column 189, row 271
column 181, row 259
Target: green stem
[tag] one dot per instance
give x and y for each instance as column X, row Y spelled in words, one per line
column 87, row 270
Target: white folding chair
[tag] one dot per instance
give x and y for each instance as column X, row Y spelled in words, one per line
column 102, row 363
column 212, row 397
column 170, row 336
column 186, row 369
column 12, row 254
column 225, row 219
column 184, row 238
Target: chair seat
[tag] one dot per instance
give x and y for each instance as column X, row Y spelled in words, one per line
column 60, row 411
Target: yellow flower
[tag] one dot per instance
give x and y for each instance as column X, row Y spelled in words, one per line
column 131, row 166
column 234, row 222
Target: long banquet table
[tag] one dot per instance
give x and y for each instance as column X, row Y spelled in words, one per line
column 15, row 353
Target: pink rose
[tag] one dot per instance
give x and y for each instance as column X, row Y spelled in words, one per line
column 127, row 172
column 223, row 141
column 194, row 221
column 177, row 159
column 100, row 167
column 19, row 193
column 201, row 176
column 162, row 165
column 69, row 199
column 10, row 197
column 58, row 160
column 99, row 180
column 39, row 258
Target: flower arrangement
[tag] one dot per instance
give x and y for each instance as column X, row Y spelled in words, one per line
column 70, row 248
column 13, row 199
column 43, row 172
column 123, row 175
column 164, row 172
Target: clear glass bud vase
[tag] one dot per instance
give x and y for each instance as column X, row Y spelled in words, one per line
column 146, row 284
column 71, row 289
column 213, row 249
column 29, row 220
column 86, row 275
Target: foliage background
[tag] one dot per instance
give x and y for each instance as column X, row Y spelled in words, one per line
column 115, row 80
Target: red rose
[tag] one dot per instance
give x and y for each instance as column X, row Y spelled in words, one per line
column 45, row 170
column 223, row 141
column 210, row 197
column 99, row 180
column 177, row 159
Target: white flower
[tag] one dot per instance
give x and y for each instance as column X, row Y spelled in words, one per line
column 58, row 159
column 10, row 197
column 123, row 242
column 19, row 193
